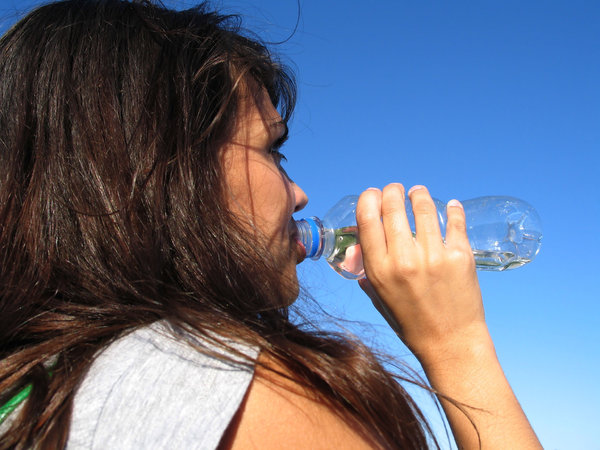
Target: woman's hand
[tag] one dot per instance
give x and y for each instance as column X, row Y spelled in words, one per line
column 426, row 289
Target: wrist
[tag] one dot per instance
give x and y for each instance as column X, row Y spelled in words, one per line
column 468, row 348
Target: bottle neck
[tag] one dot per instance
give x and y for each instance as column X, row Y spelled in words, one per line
column 310, row 231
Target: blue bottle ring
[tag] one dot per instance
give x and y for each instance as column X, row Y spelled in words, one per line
column 315, row 234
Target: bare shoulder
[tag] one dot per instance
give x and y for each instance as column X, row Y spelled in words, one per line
column 277, row 413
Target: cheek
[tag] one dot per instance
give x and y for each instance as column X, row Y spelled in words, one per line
column 272, row 200
column 238, row 171
column 258, row 192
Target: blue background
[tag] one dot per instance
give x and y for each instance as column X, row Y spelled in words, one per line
column 469, row 99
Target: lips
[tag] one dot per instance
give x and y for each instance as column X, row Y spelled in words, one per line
column 301, row 251
column 295, row 237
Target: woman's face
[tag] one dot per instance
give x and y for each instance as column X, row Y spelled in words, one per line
column 259, row 190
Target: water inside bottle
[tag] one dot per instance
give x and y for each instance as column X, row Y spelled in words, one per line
column 497, row 261
column 346, row 257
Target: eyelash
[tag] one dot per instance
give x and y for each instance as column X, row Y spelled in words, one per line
column 275, row 149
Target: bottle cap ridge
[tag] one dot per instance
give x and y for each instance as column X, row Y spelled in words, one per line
column 310, row 236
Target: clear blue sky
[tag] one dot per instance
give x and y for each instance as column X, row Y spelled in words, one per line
column 469, row 99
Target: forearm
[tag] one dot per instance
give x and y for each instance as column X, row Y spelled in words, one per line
column 427, row 289
column 469, row 372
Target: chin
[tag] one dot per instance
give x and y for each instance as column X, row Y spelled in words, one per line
column 290, row 289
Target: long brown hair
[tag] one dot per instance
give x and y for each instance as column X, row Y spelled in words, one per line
column 112, row 114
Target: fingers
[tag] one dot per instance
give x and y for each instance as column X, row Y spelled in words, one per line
column 382, row 223
column 381, row 217
column 395, row 222
column 370, row 228
column 427, row 226
column 456, row 227
column 385, row 231
column 426, row 290
column 456, row 233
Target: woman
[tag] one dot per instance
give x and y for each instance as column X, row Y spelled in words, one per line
column 148, row 256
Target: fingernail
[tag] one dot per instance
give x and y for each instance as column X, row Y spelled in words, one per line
column 455, row 202
column 415, row 188
column 372, row 189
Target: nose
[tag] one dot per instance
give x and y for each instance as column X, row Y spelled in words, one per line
column 300, row 196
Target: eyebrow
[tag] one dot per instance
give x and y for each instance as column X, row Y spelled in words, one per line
column 283, row 137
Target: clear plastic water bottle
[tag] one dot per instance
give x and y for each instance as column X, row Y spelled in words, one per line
column 504, row 233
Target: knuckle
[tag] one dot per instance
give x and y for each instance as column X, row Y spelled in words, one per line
column 422, row 204
column 406, row 269
column 459, row 225
column 462, row 256
column 435, row 261
column 365, row 217
column 392, row 199
column 390, row 209
column 435, row 266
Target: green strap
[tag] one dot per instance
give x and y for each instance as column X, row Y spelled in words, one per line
column 18, row 398
column 10, row 405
